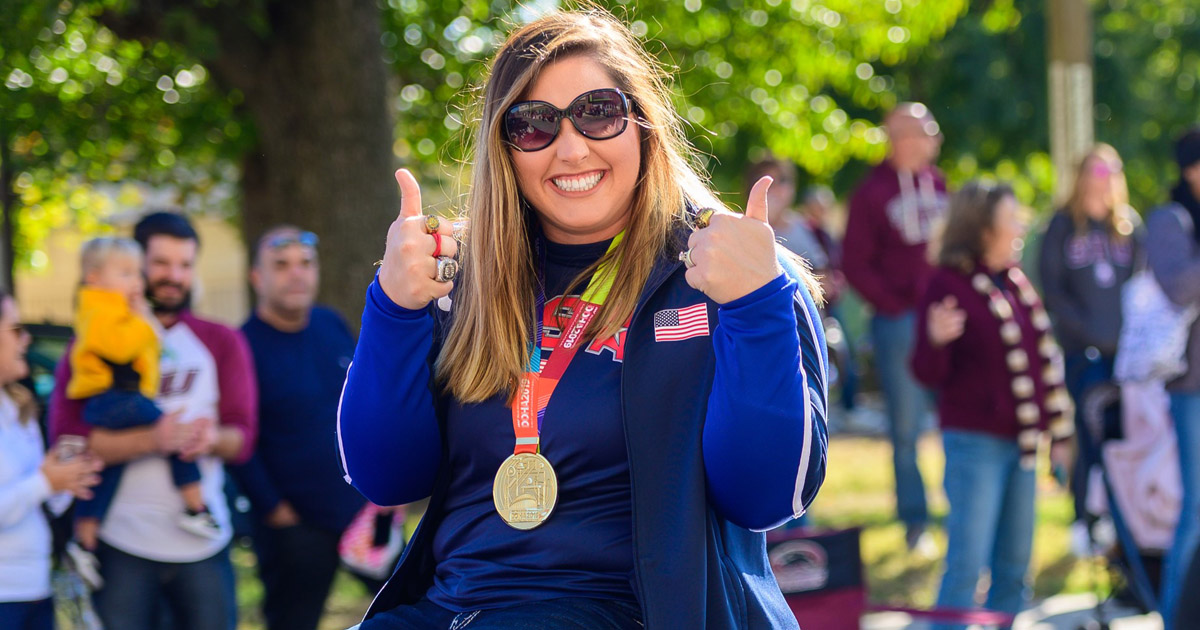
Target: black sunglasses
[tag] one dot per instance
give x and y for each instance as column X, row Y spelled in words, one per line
column 598, row 114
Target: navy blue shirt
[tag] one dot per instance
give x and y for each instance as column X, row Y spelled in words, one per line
column 585, row 548
column 300, row 377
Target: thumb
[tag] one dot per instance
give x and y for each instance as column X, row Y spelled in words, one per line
column 756, row 205
column 950, row 302
column 410, row 194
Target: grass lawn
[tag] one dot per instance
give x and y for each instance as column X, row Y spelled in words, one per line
column 857, row 492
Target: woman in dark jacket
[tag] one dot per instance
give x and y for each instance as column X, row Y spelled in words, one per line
column 1091, row 248
column 631, row 487
column 984, row 344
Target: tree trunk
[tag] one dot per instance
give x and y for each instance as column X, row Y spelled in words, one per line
column 318, row 97
column 7, row 207
column 315, row 86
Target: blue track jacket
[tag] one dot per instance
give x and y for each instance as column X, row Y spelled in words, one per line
column 726, row 437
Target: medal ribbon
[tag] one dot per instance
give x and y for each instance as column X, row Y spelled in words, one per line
column 538, row 383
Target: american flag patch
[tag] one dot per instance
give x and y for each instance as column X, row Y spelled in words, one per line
column 677, row 324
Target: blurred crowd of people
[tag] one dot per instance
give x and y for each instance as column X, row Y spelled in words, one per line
column 1013, row 361
column 157, row 417
column 1008, row 362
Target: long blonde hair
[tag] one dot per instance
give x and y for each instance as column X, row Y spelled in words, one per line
column 1119, row 222
column 487, row 346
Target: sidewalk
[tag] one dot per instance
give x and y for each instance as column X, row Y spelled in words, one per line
column 1061, row 612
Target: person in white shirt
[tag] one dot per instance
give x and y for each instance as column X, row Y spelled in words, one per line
column 27, row 479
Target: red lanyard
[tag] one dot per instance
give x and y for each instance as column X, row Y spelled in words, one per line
column 537, row 386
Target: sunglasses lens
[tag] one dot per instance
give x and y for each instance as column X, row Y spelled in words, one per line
column 531, row 126
column 599, row 115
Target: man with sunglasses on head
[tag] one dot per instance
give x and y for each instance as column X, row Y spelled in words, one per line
column 300, row 503
column 208, row 394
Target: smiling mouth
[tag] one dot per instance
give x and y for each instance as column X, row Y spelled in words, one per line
column 578, row 183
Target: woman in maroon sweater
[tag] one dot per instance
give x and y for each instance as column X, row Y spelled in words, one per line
column 984, row 343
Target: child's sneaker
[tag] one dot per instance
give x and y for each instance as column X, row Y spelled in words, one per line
column 86, row 565
column 200, row 523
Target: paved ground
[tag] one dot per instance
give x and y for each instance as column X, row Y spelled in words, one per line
column 1062, row 612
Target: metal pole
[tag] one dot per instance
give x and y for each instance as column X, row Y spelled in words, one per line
column 1069, row 45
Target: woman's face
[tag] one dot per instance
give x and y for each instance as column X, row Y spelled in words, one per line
column 1005, row 238
column 13, row 343
column 582, row 189
column 1191, row 175
column 1096, row 185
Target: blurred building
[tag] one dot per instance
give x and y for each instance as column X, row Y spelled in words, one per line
column 47, row 294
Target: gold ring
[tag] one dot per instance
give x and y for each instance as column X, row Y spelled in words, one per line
column 432, row 223
column 704, row 217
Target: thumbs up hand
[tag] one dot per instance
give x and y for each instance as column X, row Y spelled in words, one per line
column 734, row 255
column 409, row 268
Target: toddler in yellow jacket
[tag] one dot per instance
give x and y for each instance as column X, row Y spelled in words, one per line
column 114, row 366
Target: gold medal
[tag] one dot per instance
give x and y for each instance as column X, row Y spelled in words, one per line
column 525, row 490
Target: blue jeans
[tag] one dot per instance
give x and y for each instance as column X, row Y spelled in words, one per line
column 199, row 595
column 571, row 613
column 990, row 522
column 848, row 369
column 1083, row 373
column 1185, row 411
column 37, row 615
column 907, row 403
column 116, row 409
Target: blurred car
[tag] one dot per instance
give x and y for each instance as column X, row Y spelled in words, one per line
column 47, row 347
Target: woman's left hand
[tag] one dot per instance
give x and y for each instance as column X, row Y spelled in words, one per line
column 735, row 255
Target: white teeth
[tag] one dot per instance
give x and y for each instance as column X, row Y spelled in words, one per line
column 578, row 184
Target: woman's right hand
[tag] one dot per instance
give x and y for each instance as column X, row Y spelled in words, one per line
column 75, row 476
column 409, row 268
column 945, row 321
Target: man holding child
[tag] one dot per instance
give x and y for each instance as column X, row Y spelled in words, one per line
column 208, row 401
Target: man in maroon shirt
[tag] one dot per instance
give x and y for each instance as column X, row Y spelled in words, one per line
column 892, row 215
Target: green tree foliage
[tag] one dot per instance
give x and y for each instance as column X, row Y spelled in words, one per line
column 986, row 81
column 81, row 107
column 82, row 111
column 805, row 79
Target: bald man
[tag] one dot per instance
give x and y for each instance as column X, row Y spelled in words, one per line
column 299, row 501
column 892, row 216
